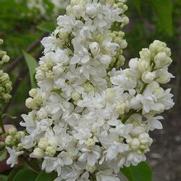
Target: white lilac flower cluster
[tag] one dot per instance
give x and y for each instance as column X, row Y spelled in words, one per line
column 89, row 118
column 42, row 5
column 13, row 140
column 5, row 83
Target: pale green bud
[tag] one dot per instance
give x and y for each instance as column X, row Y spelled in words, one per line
column 143, row 66
column 162, row 60
column 37, row 153
column 43, row 143
column 28, row 103
column 5, row 58
column 50, row 151
column 75, row 96
column 9, row 140
column 88, row 87
column 148, row 77
column 33, row 92
column 121, row 108
column 135, row 143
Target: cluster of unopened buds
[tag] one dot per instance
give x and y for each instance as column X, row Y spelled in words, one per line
column 5, row 83
column 89, row 117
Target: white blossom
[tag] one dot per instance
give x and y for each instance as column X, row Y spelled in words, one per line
column 89, row 116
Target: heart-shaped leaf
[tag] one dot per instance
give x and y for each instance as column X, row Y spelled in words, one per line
column 25, row 175
column 46, row 176
column 141, row 172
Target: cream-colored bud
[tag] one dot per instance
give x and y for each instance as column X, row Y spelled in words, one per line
column 88, row 87
column 148, row 77
column 133, row 63
column 29, row 102
column 123, row 44
column 164, row 78
column 5, row 58
column 109, row 94
column 121, row 108
column 90, row 142
column 42, row 113
column 135, row 143
column 143, row 66
column 162, row 59
column 144, row 138
column 75, row 96
column 145, row 54
column 43, row 143
column 37, row 153
column 33, row 92
column 50, row 151
column 20, row 146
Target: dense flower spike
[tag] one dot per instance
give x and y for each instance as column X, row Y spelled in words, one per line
column 89, row 117
column 5, row 83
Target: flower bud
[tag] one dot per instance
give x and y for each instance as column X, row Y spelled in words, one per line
column 162, row 59
column 33, row 92
column 75, row 96
column 43, row 143
column 9, row 140
column 121, row 108
column 133, row 63
column 148, row 77
column 42, row 113
column 143, row 66
column 29, row 102
column 135, row 143
column 37, row 153
column 88, row 87
column 50, row 151
column 5, row 58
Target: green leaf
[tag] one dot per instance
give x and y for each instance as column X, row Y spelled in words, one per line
column 46, row 176
column 141, row 172
column 13, row 172
column 3, row 178
column 164, row 10
column 25, row 175
column 32, row 64
column 3, row 155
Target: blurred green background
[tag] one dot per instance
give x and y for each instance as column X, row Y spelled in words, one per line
column 22, row 30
